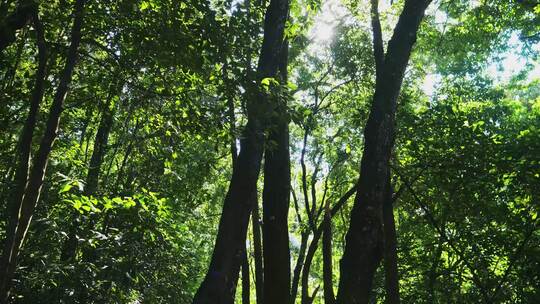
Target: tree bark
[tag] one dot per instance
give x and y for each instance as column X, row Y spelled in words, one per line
column 276, row 195
column 15, row 21
column 257, row 251
column 364, row 239
column 100, row 144
column 328, row 288
column 307, row 298
column 299, row 266
column 390, row 249
column 245, row 280
column 218, row 285
column 23, row 164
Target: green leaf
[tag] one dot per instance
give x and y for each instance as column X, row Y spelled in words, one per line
column 66, row 188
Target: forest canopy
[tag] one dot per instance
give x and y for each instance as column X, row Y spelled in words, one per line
column 270, row 151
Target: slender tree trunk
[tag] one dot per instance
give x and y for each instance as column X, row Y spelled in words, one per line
column 37, row 173
column 120, row 174
column 69, row 249
column 300, row 271
column 431, row 278
column 9, row 75
column 245, row 280
column 390, row 250
column 23, row 164
column 257, row 251
column 299, row 266
column 100, row 144
column 328, row 288
column 16, row 21
column 307, row 298
column 218, row 285
column 234, row 155
column 364, row 239
column 276, row 196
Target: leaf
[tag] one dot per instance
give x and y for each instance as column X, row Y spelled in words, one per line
column 145, row 5
column 66, row 188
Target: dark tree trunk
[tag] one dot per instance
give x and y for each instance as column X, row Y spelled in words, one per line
column 100, row 145
column 431, row 278
column 9, row 75
column 328, row 288
column 16, row 21
column 257, row 251
column 39, row 167
column 303, row 265
column 69, row 249
column 390, row 250
column 299, row 266
column 276, row 195
column 307, row 298
column 364, row 239
column 245, row 280
column 23, row 163
column 218, row 285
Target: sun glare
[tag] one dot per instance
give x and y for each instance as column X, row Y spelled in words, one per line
column 331, row 14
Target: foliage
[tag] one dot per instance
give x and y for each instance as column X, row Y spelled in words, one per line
column 176, row 76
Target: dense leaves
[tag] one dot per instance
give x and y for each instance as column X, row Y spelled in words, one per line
column 135, row 184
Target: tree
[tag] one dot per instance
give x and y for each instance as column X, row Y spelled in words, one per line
column 25, row 205
column 26, row 11
column 364, row 247
column 219, row 283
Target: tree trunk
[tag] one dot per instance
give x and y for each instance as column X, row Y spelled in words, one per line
column 23, row 163
column 312, row 249
column 390, row 250
column 100, row 144
column 16, row 21
column 431, row 278
column 299, row 266
column 364, row 239
column 37, row 173
column 69, row 249
column 245, row 280
column 328, row 288
column 276, row 195
column 257, row 251
column 218, row 285
column 303, row 265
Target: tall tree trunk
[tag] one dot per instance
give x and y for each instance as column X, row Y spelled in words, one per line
column 37, row 173
column 364, row 239
column 245, row 280
column 17, row 20
column 246, row 286
column 328, row 288
column 276, row 196
column 390, row 249
column 69, row 249
column 23, row 164
column 431, row 278
column 257, row 251
column 100, row 144
column 299, row 266
column 307, row 298
column 9, row 75
column 218, row 285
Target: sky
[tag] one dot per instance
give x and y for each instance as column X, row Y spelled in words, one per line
column 511, row 63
